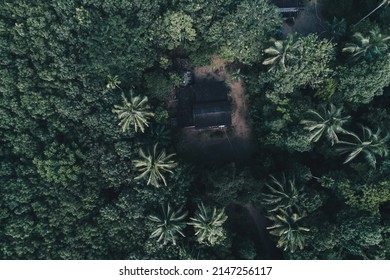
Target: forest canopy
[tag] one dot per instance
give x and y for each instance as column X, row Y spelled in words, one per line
column 91, row 165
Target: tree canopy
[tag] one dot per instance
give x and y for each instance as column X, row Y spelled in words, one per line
column 94, row 163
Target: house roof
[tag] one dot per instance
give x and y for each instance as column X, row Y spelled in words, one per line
column 212, row 114
column 289, row 3
column 208, row 90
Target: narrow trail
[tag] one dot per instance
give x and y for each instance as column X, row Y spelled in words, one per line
column 271, row 252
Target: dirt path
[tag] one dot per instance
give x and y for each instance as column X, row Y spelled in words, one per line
column 240, row 115
column 271, row 251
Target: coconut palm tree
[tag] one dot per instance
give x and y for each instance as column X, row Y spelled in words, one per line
column 113, row 82
column 283, row 194
column 280, row 53
column 208, row 225
column 153, row 165
column 370, row 47
column 330, row 121
column 369, row 145
column 169, row 225
column 134, row 112
column 286, row 227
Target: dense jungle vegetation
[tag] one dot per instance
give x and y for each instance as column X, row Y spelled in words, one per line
column 89, row 167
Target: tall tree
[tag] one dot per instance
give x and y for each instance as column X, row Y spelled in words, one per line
column 282, row 194
column 208, row 225
column 134, row 112
column 177, row 29
column 169, row 225
column 330, row 121
column 286, row 227
column 153, row 166
column 369, row 145
column 280, row 54
column 370, row 47
column 247, row 29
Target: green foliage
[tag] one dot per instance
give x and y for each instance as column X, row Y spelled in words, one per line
column 68, row 190
column 359, row 233
column 368, row 198
column 369, row 145
column 286, row 227
column 308, row 65
column 208, row 225
column 282, row 194
column 282, row 53
column 153, row 165
column 159, row 86
column 337, row 28
column 246, row 30
column 113, row 82
column 327, row 90
column 134, row 112
column 169, row 225
column 371, row 47
column 363, row 81
column 60, row 164
column 329, row 122
column 161, row 135
column 227, row 185
column 177, row 29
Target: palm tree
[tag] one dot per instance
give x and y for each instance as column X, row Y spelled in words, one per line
column 113, row 82
column 169, row 225
column 135, row 112
column 281, row 53
column 153, row 165
column 337, row 28
column 330, row 122
column 370, row 145
column 209, row 225
column 286, row 227
column 370, row 13
column 282, row 194
column 370, row 47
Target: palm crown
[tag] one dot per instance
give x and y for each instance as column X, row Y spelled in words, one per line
column 370, row 145
column 280, row 53
column 134, row 112
column 153, row 165
column 209, row 225
column 169, row 225
column 330, row 122
column 370, row 47
column 283, row 194
column 286, row 227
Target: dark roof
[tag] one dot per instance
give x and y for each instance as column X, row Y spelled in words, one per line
column 210, row 91
column 212, row 114
column 289, row 3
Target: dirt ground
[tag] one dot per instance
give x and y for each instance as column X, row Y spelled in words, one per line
column 231, row 144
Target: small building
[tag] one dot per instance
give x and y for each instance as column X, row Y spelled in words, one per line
column 213, row 114
column 204, row 104
column 290, row 8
